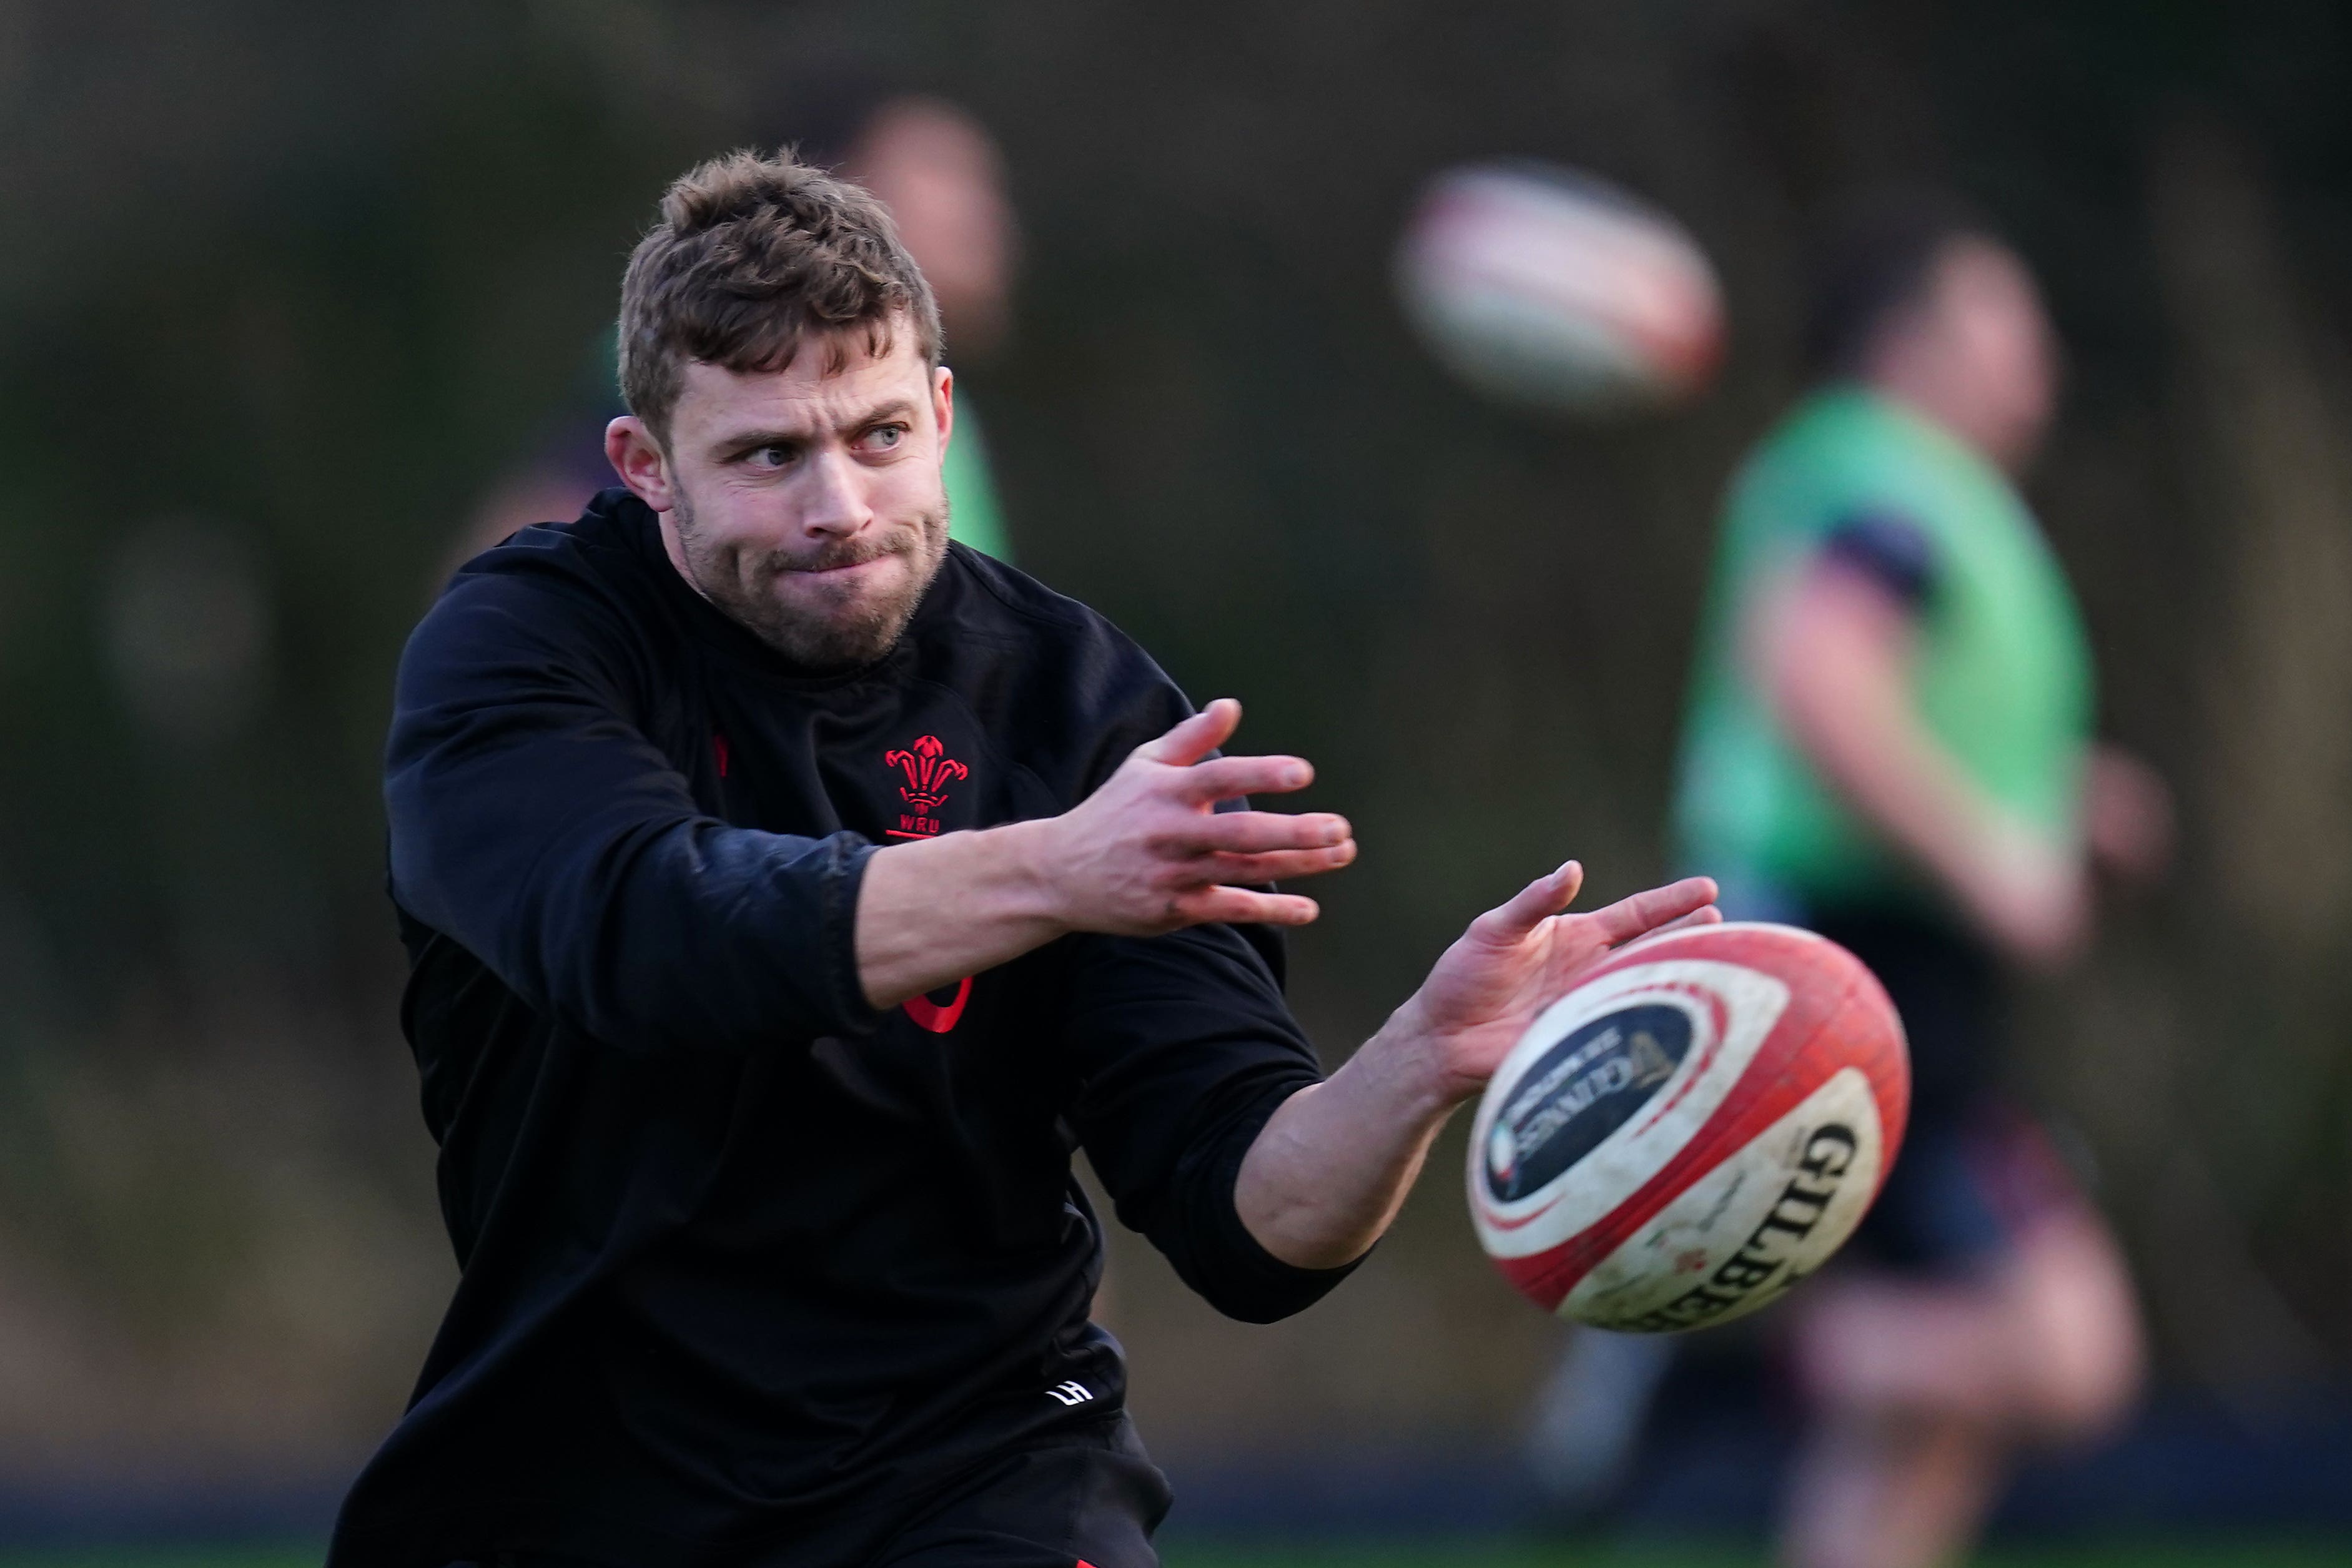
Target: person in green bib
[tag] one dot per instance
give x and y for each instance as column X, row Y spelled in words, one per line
column 1889, row 740
column 940, row 173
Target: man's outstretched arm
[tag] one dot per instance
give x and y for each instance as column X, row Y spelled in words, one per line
column 1328, row 1173
column 1836, row 651
column 1147, row 853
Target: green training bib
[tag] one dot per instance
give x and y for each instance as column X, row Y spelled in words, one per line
column 2003, row 675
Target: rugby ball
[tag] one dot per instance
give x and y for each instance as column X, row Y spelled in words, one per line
column 1691, row 1130
column 1550, row 288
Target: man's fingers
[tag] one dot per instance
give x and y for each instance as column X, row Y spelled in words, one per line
column 1222, row 778
column 1710, row 915
column 1245, row 907
column 1647, row 911
column 1281, row 865
column 1253, row 832
column 1196, row 737
column 1533, row 903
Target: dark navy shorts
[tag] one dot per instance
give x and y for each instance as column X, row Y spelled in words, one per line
column 1974, row 1169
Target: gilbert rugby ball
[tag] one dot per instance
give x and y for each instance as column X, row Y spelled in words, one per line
column 1691, row 1130
column 1554, row 290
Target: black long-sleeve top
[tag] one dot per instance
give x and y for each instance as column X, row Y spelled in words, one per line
column 738, row 1250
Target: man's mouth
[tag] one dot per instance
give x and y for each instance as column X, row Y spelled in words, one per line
column 838, row 569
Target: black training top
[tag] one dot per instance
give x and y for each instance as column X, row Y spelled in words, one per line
column 737, row 1250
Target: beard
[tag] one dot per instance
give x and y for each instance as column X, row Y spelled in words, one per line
column 835, row 629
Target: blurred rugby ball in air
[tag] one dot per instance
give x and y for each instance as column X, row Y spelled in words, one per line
column 1557, row 292
column 1691, row 1130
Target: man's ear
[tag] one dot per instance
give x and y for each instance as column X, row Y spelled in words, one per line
column 943, row 405
column 639, row 459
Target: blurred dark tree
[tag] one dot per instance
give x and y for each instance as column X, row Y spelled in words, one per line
column 284, row 287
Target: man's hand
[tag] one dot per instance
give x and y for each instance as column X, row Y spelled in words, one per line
column 2027, row 890
column 1515, row 961
column 1326, row 1174
column 2129, row 820
column 1147, row 852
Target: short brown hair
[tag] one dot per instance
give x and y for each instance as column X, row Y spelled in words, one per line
column 753, row 254
column 1876, row 256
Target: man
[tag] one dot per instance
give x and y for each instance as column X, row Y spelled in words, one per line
column 788, row 891
column 939, row 173
column 1889, row 742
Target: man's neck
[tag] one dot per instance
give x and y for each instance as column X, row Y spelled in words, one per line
column 1925, row 399
column 666, row 522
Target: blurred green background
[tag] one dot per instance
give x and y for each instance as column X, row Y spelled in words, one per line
column 285, row 287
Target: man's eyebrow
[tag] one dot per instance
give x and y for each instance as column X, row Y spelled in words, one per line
column 752, row 440
column 897, row 408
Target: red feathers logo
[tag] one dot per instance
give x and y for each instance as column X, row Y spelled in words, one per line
column 929, row 770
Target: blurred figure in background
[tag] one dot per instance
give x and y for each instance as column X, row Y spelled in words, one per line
column 1889, row 742
column 941, row 174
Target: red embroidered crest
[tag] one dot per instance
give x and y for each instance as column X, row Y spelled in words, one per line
column 929, row 770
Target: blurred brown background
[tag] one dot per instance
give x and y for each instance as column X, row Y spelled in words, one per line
column 284, row 287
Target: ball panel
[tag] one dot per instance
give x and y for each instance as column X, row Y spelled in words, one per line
column 1522, row 351
column 1736, row 1239
column 1868, row 1032
column 1570, row 1099
column 1730, row 1008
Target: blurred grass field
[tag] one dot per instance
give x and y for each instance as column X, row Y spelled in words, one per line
column 165, row 1557
column 2172, row 1555
column 2214, row 1553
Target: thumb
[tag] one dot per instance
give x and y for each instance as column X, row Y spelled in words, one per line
column 1535, row 904
column 1196, row 737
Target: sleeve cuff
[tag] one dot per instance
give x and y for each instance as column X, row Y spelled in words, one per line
column 1253, row 1284
column 1889, row 548
column 844, row 873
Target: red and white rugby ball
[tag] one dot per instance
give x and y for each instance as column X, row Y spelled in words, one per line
column 1547, row 287
column 1691, row 1130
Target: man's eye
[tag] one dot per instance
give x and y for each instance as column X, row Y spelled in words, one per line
column 884, row 437
column 770, row 457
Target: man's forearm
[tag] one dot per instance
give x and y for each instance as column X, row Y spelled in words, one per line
column 1839, row 674
column 1331, row 1167
column 929, row 913
column 1860, row 733
column 1147, row 852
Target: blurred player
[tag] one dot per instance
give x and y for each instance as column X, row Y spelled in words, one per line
column 941, row 174
column 1889, row 742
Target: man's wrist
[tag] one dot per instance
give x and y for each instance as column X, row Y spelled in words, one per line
column 1030, row 855
column 1413, row 1058
column 2025, row 887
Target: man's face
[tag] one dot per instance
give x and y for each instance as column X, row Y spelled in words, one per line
column 807, row 507
column 1981, row 337
column 942, row 179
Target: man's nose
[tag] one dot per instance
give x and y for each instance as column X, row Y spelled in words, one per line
column 835, row 498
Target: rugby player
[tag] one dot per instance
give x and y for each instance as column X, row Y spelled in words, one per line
column 1890, row 741
column 789, row 892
